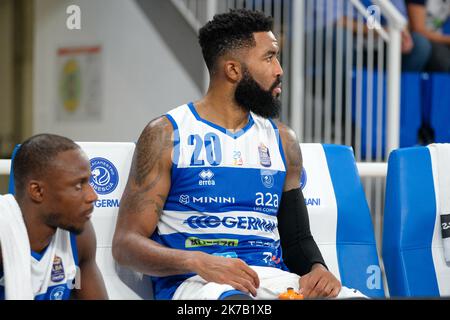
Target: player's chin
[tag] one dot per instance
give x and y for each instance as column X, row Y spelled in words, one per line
column 78, row 228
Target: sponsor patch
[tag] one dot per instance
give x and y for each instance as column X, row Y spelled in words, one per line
column 194, row 242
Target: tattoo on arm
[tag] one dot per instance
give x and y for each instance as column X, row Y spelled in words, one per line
column 153, row 141
column 293, row 153
column 147, row 169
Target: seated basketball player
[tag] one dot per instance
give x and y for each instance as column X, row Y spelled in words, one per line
column 213, row 207
column 52, row 191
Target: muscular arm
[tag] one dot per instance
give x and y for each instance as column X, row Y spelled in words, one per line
column 140, row 210
column 417, row 16
column 293, row 156
column 300, row 252
column 91, row 285
column 141, row 207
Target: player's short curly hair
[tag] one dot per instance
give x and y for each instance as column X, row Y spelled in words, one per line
column 230, row 31
column 36, row 155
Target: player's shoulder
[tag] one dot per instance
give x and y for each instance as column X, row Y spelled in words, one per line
column 155, row 143
column 291, row 145
column 157, row 132
column 160, row 124
column 287, row 134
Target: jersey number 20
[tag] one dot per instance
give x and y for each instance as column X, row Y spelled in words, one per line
column 212, row 146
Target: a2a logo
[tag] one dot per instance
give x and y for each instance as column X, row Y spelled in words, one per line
column 266, row 199
column 73, row 21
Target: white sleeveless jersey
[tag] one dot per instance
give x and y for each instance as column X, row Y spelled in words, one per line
column 225, row 192
column 53, row 272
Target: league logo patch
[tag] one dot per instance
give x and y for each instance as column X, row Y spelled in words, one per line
column 57, row 274
column 104, row 178
column 264, row 155
column 267, row 178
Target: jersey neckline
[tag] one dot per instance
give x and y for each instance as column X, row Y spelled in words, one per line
column 39, row 255
column 233, row 135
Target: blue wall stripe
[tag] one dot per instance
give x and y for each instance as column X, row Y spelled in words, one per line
column 355, row 239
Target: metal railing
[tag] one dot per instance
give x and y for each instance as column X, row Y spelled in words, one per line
column 332, row 38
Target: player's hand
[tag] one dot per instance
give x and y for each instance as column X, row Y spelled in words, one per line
column 319, row 283
column 231, row 271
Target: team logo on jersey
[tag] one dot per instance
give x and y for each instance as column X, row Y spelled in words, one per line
column 104, row 178
column 57, row 274
column 206, row 177
column 57, row 293
column 267, row 178
column 264, row 155
column 184, row 199
column 303, row 179
column 237, row 158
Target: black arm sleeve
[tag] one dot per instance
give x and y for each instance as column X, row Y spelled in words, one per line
column 299, row 249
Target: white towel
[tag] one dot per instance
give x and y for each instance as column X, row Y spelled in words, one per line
column 272, row 282
column 16, row 250
column 441, row 152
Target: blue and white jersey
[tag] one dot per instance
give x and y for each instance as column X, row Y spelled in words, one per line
column 225, row 192
column 54, row 270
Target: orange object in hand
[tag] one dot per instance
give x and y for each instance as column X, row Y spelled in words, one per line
column 290, row 294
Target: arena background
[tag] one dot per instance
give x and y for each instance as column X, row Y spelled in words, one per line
column 99, row 70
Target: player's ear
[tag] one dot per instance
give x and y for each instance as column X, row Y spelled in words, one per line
column 35, row 190
column 233, row 70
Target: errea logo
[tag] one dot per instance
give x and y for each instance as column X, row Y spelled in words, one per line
column 206, row 177
column 206, row 174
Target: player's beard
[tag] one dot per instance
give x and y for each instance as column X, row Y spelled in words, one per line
column 54, row 220
column 251, row 97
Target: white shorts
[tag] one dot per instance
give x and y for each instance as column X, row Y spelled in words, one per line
column 272, row 281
